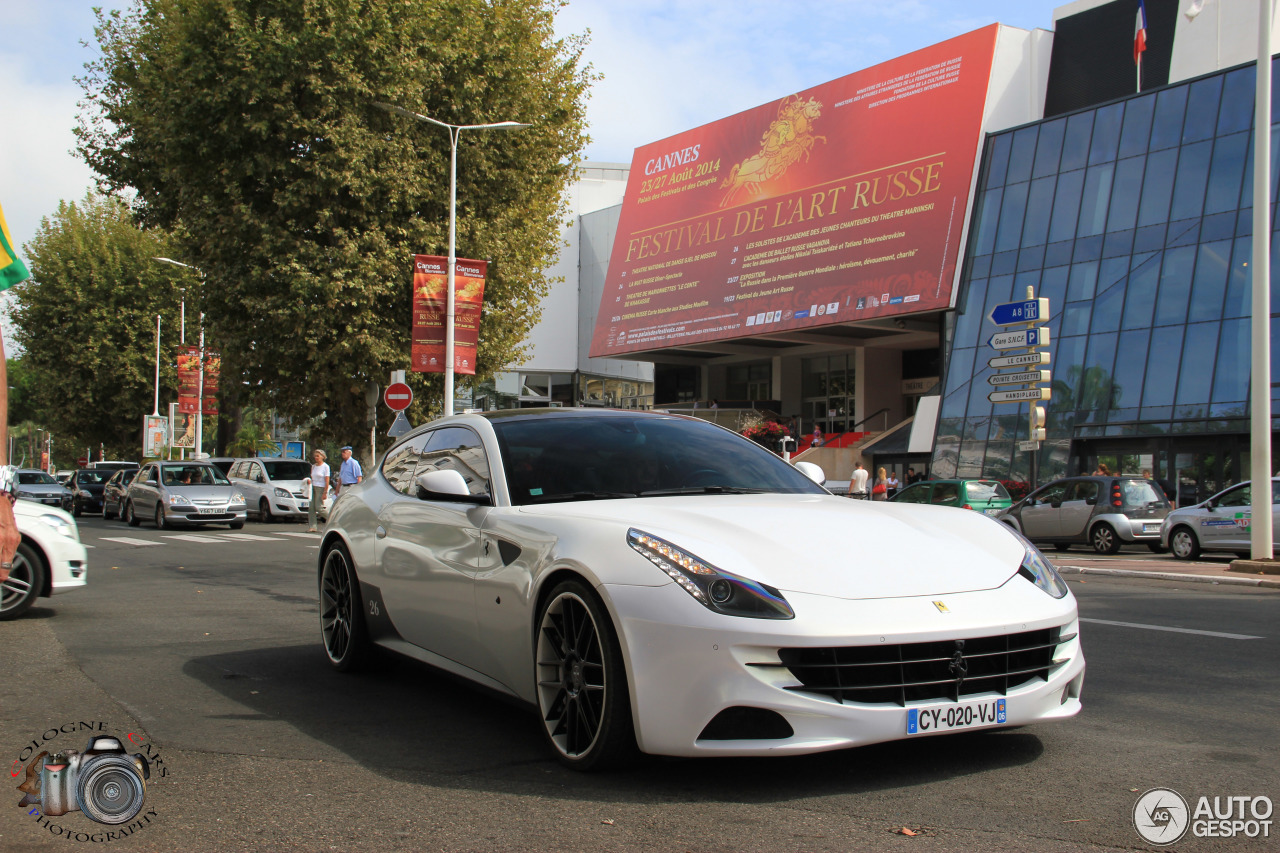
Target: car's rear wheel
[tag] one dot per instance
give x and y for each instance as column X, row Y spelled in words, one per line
column 342, row 612
column 1104, row 539
column 26, row 579
column 264, row 511
column 131, row 515
column 582, row 681
column 1184, row 544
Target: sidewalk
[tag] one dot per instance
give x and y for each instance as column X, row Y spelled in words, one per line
column 1161, row 567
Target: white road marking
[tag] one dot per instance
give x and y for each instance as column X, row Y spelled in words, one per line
column 248, row 537
column 1222, row 634
column 192, row 537
column 299, row 535
column 128, row 540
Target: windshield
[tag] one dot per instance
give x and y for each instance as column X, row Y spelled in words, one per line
column 192, row 475
column 287, row 469
column 576, row 458
column 985, row 490
column 35, row 478
column 88, row 478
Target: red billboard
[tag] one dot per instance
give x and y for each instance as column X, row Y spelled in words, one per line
column 843, row 202
column 430, row 298
column 189, row 396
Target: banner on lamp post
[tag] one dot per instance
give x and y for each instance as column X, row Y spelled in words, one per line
column 430, row 306
column 189, row 380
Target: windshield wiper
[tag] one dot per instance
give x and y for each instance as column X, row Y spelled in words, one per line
column 703, row 490
column 580, row 496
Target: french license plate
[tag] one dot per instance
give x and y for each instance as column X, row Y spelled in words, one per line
column 211, row 510
column 1151, row 528
column 992, row 511
column 302, row 505
column 991, row 712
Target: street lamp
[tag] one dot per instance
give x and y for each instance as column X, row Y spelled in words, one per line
column 454, row 131
column 199, row 448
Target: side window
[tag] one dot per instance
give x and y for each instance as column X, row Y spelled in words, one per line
column 1052, row 494
column 255, row 472
column 944, row 493
column 1240, row 496
column 1083, row 490
column 917, row 494
column 457, row 448
column 237, row 470
column 400, row 463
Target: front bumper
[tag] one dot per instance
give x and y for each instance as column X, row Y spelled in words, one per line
column 194, row 515
column 687, row 664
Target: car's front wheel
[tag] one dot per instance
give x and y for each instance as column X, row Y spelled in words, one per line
column 264, row 511
column 26, row 579
column 1184, row 544
column 582, row 681
column 1104, row 540
column 107, row 515
column 160, row 522
column 131, row 515
column 342, row 612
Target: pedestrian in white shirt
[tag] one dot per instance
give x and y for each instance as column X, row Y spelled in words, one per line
column 319, row 487
column 858, row 485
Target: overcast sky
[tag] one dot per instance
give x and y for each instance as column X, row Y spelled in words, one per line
column 667, row 66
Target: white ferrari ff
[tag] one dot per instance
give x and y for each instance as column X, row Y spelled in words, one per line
column 656, row 581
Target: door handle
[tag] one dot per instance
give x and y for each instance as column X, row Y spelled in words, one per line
column 380, row 532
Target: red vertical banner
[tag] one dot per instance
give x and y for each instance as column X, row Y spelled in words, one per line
column 189, row 380
column 212, row 373
column 430, row 289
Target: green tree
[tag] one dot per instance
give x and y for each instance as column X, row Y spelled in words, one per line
column 253, row 124
column 86, row 322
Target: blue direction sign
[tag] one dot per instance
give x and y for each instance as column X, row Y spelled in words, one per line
column 1026, row 311
column 1038, row 337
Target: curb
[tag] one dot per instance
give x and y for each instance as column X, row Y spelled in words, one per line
column 1169, row 576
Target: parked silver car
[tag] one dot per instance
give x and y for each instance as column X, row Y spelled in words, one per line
column 273, row 486
column 1220, row 523
column 1104, row 512
column 40, row 487
column 177, row 493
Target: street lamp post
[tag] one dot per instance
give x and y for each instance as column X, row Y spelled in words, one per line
column 199, row 448
column 454, row 131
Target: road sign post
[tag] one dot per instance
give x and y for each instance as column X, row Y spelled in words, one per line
column 1031, row 372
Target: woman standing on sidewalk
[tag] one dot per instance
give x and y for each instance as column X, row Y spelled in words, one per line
column 880, row 491
column 319, row 487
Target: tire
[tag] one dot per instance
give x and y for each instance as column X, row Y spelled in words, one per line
column 161, row 524
column 25, row 582
column 583, row 699
column 131, row 515
column 236, row 525
column 1104, row 539
column 342, row 630
column 107, row 515
column 75, row 508
column 264, row 511
column 1062, row 546
column 1156, row 547
column 1184, row 544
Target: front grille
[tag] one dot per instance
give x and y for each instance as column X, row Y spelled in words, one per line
column 919, row 672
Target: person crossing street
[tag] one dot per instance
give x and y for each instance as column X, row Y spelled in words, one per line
column 349, row 472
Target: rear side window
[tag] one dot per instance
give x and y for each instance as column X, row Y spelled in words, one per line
column 985, row 490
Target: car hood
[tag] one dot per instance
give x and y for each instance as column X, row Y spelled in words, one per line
column 204, row 493
column 43, row 489
column 821, row 544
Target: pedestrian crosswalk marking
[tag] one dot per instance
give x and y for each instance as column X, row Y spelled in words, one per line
column 248, row 537
column 299, row 535
column 129, row 540
column 193, row 537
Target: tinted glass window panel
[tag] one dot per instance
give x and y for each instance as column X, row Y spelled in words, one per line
column 1131, row 365
column 1022, row 155
column 1231, row 376
column 988, row 217
column 1137, row 125
column 1162, row 366
column 458, row 449
column 1083, row 281
column 1157, row 189
column 1196, row 375
column 1202, row 109
column 1094, row 390
column 969, row 323
column 1225, row 174
column 1175, row 285
column 1000, row 146
column 1075, row 147
column 1075, row 319
column 401, row 462
column 1049, row 148
column 1126, row 191
column 1039, row 210
column 1109, row 303
column 1094, row 200
column 1068, row 360
column 1236, row 110
column 1142, row 293
column 1166, row 129
column 1011, row 213
column 1210, row 284
column 1066, row 206
column 1106, row 134
column 1193, row 172
column 1240, row 281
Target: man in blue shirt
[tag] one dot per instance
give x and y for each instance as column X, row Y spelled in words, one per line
column 349, row 472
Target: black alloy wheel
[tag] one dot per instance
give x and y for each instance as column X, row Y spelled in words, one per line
column 26, row 579
column 1104, row 539
column 342, row 613
column 581, row 679
column 1184, row 544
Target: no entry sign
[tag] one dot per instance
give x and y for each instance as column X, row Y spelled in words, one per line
column 398, row 396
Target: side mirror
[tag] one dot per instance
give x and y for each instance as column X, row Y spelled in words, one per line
column 150, row 481
column 813, row 472
column 1091, row 501
column 446, row 485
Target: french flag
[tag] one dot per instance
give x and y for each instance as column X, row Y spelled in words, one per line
column 1140, row 33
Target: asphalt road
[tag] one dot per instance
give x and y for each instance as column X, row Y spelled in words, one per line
column 208, row 649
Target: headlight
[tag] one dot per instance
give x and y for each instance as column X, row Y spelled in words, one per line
column 1037, row 569
column 64, row 526
column 237, row 498
column 179, row 500
column 715, row 589
column 23, row 493
column 282, row 493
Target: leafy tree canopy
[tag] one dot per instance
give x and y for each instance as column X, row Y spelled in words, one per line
column 86, row 320
column 253, row 125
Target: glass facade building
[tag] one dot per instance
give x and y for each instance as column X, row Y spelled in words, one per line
column 1134, row 218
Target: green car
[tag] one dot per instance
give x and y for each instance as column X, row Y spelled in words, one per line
column 985, row 496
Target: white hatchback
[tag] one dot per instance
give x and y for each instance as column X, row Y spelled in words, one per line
column 273, row 487
column 50, row 559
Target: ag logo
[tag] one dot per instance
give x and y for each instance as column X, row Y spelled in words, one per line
column 1161, row 816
